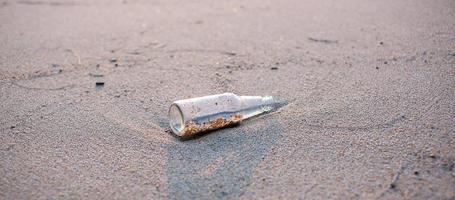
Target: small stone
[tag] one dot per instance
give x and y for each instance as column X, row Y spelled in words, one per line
column 385, row 62
column 381, row 43
column 377, row 68
column 99, row 83
column 113, row 60
column 392, row 186
column 12, row 127
column 274, row 68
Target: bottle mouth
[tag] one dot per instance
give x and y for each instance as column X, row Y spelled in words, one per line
column 176, row 121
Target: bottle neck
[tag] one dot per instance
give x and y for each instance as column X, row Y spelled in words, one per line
column 254, row 105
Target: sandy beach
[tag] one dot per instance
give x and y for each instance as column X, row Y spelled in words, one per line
column 85, row 88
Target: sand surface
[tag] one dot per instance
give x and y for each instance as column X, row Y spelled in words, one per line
column 85, row 87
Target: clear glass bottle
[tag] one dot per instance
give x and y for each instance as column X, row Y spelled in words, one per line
column 190, row 116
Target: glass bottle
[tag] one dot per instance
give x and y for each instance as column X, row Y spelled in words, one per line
column 191, row 116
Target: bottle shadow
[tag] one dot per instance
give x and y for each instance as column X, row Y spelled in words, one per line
column 219, row 164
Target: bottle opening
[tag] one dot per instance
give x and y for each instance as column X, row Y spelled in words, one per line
column 176, row 119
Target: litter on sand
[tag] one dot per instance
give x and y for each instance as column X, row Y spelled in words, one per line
column 191, row 116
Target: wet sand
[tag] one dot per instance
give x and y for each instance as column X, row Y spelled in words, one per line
column 85, row 87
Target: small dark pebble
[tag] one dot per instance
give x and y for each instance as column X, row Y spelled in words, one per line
column 116, row 65
column 377, row 68
column 432, row 127
column 393, row 186
column 113, row 60
column 403, row 116
column 117, row 96
column 99, row 83
column 54, row 65
column 416, row 173
column 97, row 65
column 60, row 70
column 12, row 127
column 385, row 62
column 274, row 68
column 381, row 43
column 433, row 156
column 263, row 179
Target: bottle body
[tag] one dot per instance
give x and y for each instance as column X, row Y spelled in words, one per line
column 190, row 116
